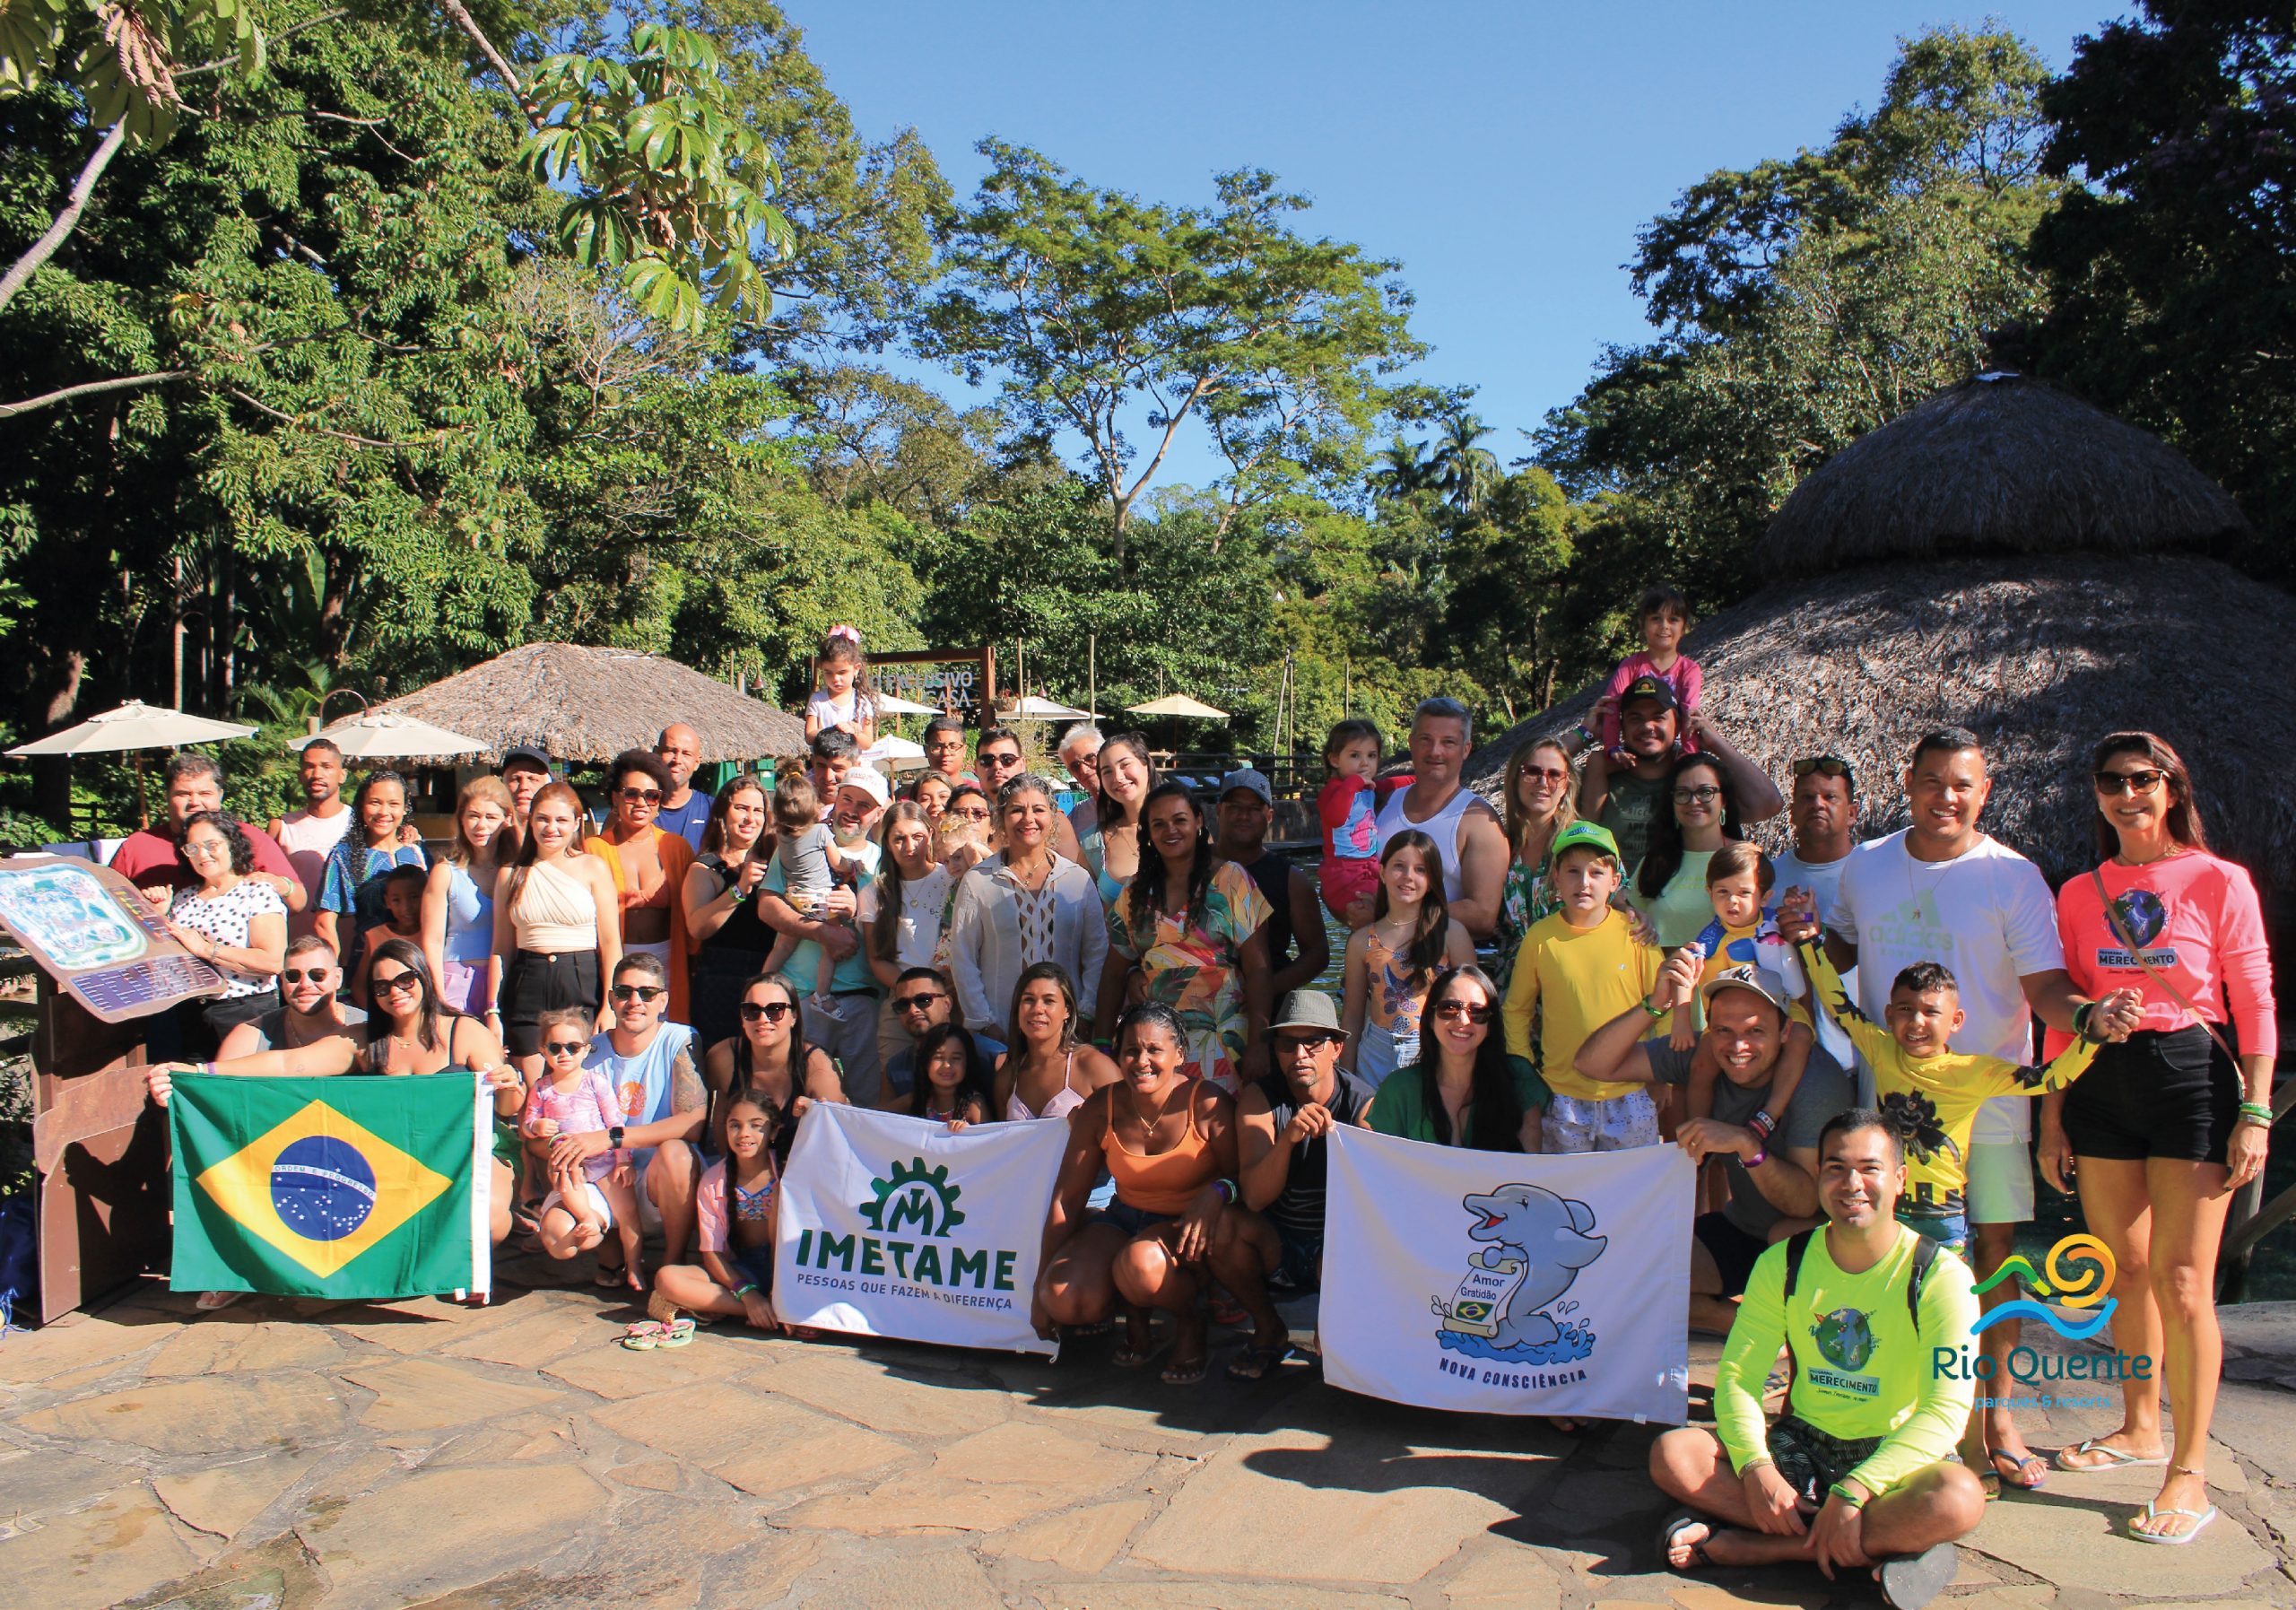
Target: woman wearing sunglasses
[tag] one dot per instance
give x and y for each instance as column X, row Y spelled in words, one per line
column 1463, row 1091
column 409, row 1031
column 1538, row 802
column 2168, row 1124
column 649, row 864
column 769, row 1061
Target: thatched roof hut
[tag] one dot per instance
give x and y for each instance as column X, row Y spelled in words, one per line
column 1994, row 565
column 578, row 703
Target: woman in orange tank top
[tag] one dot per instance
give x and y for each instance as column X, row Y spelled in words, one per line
column 1176, row 1225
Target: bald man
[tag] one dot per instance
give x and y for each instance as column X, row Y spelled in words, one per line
column 685, row 810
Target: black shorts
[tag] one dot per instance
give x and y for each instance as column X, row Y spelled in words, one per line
column 2155, row 1096
column 538, row 981
column 1733, row 1251
column 1812, row 1461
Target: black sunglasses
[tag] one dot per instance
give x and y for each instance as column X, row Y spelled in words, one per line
column 1463, row 1009
column 2141, row 781
column 1307, row 1042
column 772, row 1012
column 565, row 1047
column 638, row 992
column 395, row 982
column 1826, row 765
column 317, row 975
column 917, row 1002
column 642, row 796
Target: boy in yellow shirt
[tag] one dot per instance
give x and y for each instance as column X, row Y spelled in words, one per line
column 1929, row 1092
column 1584, row 964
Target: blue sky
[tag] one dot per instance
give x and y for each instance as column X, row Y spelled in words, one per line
column 1504, row 153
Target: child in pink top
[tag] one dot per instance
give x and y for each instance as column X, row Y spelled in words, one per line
column 1348, row 809
column 1662, row 619
column 2197, row 922
column 573, row 1099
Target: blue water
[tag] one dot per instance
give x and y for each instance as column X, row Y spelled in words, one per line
column 1575, row 1342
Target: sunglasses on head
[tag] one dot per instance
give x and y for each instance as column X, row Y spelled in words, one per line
column 642, row 796
column 392, row 983
column 772, row 1012
column 1462, row 1011
column 317, row 975
column 638, row 992
column 1825, row 765
column 918, row 1001
column 2141, row 781
column 565, row 1047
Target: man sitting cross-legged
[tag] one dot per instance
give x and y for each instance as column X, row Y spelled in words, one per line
column 1860, row 1470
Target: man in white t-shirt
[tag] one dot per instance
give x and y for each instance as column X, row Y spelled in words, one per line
column 1941, row 891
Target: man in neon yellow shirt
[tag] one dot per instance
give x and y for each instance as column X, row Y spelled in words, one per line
column 1584, row 965
column 1860, row 1470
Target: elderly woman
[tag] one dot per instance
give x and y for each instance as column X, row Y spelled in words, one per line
column 1175, row 1228
column 1080, row 755
column 1536, row 801
column 649, row 864
column 1024, row 905
column 235, row 922
column 1190, row 924
column 2170, row 1123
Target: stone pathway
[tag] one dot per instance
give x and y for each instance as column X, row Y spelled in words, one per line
column 280, row 1455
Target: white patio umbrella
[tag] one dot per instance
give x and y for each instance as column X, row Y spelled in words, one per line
column 1178, row 704
column 890, row 704
column 1034, row 708
column 385, row 734
column 135, row 725
column 890, row 748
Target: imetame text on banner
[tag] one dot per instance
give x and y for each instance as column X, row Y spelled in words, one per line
column 1506, row 1284
column 893, row 1226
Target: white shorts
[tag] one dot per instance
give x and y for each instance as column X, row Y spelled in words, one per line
column 1620, row 1124
column 2000, row 1182
column 598, row 1203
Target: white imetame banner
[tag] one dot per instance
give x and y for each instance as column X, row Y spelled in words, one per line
column 892, row 1226
column 1505, row 1284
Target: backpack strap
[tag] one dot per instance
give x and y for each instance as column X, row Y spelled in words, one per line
column 1925, row 1253
column 1797, row 1248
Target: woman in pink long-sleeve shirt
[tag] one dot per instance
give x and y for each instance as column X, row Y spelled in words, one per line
column 2164, row 1128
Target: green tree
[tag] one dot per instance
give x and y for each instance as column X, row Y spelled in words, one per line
column 1101, row 314
column 2172, row 270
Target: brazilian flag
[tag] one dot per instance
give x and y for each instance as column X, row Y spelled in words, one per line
column 350, row 1187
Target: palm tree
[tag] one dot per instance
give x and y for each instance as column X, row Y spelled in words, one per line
column 1402, row 469
column 1461, row 470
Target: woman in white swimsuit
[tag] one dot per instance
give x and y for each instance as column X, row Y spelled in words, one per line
column 1047, row 1073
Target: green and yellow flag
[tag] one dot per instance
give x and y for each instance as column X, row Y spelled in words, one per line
column 330, row 1187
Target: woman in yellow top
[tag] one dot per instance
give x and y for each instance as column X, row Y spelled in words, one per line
column 649, row 864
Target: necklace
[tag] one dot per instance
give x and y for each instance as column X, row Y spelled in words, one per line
column 1919, row 897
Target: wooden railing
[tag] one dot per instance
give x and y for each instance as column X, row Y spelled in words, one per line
column 2252, row 1218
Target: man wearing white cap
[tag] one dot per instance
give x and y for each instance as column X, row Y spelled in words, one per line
column 850, row 1035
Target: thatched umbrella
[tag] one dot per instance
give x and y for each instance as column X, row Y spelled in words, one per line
column 2059, row 621
column 578, row 703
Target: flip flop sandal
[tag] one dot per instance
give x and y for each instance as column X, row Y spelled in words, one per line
column 1673, row 1526
column 207, row 1302
column 677, row 1333
column 1077, row 1333
column 2199, row 1518
column 1128, row 1357
column 1258, row 1361
column 1909, row 1582
column 607, row 1278
column 2115, row 1459
column 2007, row 1467
column 645, row 1336
column 1185, row 1372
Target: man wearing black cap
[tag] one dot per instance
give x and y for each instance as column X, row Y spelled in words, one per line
column 1286, row 1116
column 1627, row 800
column 1297, row 947
column 526, row 770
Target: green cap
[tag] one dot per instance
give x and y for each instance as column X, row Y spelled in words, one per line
column 1580, row 835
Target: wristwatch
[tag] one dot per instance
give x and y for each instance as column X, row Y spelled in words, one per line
column 614, row 1137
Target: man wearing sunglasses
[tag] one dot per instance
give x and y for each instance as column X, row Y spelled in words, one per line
column 652, row 1068
column 998, row 756
column 1287, row 1117
column 312, row 1010
column 921, row 999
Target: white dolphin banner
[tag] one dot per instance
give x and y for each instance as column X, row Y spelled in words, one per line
column 1505, row 1284
column 892, row 1226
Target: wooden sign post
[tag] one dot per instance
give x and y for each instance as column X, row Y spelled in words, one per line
column 100, row 1149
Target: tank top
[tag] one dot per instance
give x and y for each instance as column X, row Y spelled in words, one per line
column 1300, row 1206
column 470, row 918
column 1443, row 826
column 1273, row 872
column 554, row 911
column 307, row 841
column 744, row 931
column 1166, row 1182
column 1062, row 1101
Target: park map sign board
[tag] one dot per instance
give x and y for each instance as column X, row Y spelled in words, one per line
column 92, row 932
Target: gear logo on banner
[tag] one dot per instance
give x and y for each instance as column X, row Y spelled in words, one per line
column 914, row 1196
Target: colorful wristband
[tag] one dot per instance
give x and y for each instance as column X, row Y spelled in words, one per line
column 1655, row 1011
column 1840, row 1490
column 745, row 1288
column 2258, row 1111
column 1758, row 1159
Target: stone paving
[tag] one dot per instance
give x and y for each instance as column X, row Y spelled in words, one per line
column 280, row 1455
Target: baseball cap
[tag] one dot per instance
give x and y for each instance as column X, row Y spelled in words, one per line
column 534, row 758
column 1760, row 981
column 1250, row 777
column 1650, row 687
column 1581, row 835
column 870, row 781
column 1306, row 1009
